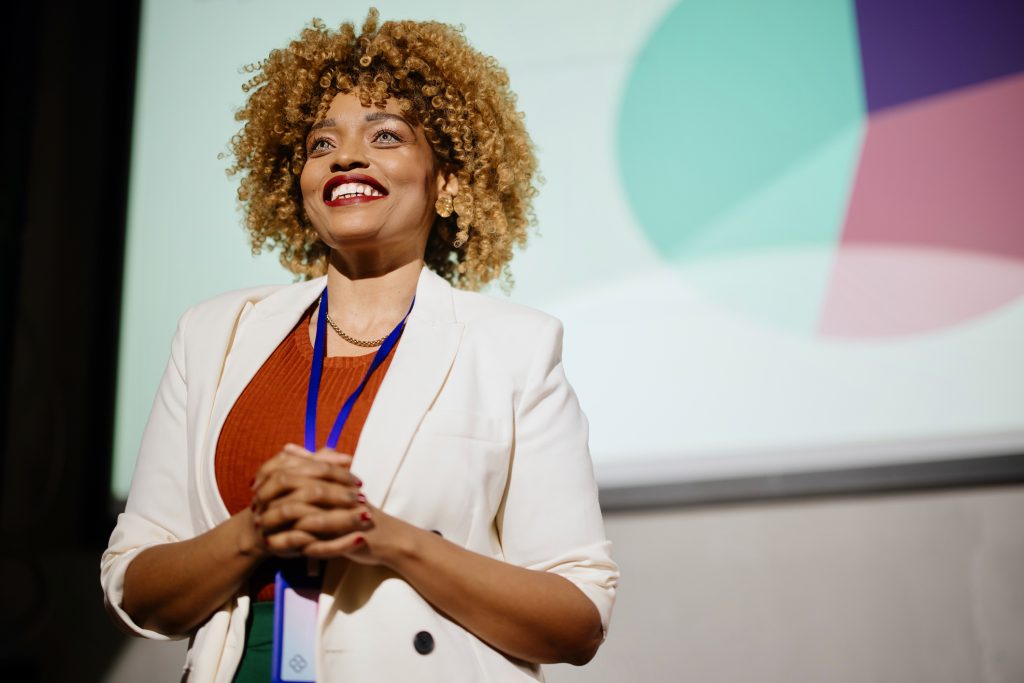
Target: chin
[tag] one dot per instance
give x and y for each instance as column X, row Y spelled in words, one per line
column 342, row 236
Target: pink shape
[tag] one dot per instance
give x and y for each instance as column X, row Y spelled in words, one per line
column 884, row 290
column 945, row 171
column 934, row 231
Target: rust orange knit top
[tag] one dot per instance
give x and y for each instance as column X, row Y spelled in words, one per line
column 271, row 412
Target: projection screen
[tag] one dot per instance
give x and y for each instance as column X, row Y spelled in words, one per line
column 782, row 238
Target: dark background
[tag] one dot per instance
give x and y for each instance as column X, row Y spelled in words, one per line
column 69, row 71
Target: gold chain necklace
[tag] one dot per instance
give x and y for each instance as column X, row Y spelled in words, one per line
column 353, row 340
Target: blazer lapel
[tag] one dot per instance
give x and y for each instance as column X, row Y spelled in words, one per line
column 418, row 371
column 260, row 330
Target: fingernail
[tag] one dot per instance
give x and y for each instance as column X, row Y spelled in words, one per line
column 359, row 482
column 361, row 498
column 252, row 481
column 365, row 516
column 359, row 540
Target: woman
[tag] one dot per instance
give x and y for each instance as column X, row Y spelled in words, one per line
column 424, row 463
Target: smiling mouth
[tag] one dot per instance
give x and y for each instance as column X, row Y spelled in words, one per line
column 343, row 190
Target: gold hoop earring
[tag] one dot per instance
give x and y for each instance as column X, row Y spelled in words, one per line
column 444, row 206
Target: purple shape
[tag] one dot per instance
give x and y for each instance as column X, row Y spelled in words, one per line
column 912, row 49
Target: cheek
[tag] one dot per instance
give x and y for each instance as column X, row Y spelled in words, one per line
column 414, row 169
column 306, row 182
column 310, row 192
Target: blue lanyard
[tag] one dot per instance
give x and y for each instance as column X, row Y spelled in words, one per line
column 317, row 368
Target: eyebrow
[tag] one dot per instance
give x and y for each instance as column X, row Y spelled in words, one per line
column 369, row 118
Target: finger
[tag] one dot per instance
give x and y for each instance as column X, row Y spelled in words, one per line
column 332, row 456
column 279, row 483
column 282, row 481
column 333, row 523
column 293, row 454
column 333, row 548
column 326, row 494
column 296, row 449
column 289, row 543
column 310, row 466
column 280, row 461
column 282, row 517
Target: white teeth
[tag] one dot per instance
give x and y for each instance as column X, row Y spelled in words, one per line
column 353, row 190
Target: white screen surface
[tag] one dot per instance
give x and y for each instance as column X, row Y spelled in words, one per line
column 702, row 368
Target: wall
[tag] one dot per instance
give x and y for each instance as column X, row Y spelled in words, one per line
column 910, row 587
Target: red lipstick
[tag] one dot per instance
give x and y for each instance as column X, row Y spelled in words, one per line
column 357, row 178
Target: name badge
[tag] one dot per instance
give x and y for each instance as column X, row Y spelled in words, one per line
column 295, row 606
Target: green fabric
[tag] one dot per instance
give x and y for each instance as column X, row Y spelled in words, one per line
column 259, row 643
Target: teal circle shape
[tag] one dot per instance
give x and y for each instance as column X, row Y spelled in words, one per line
column 723, row 100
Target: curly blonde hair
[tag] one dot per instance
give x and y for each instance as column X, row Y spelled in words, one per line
column 460, row 97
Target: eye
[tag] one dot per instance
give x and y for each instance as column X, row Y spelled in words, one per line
column 387, row 136
column 319, row 145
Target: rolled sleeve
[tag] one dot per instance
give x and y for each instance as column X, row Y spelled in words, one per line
column 550, row 519
column 156, row 511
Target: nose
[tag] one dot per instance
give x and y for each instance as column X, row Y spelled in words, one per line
column 349, row 154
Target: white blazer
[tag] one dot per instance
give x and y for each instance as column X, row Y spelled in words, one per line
column 474, row 433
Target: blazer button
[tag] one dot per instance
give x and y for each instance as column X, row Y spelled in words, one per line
column 423, row 642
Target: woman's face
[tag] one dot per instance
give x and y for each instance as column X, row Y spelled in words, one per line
column 371, row 180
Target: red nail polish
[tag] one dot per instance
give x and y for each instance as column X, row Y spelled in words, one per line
column 359, row 540
column 361, row 498
column 359, row 483
column 365, row 516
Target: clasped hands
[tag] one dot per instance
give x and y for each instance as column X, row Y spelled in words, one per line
column 310, row 504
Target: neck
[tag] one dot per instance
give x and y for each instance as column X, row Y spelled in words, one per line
column 369, row 298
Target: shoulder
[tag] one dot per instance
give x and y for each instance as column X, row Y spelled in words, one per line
column 227, row 307
column 238, row 297
column 498, row 322
column 484, row 313
column 515, row 339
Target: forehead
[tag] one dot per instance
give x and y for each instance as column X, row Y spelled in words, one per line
column 345, row 108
